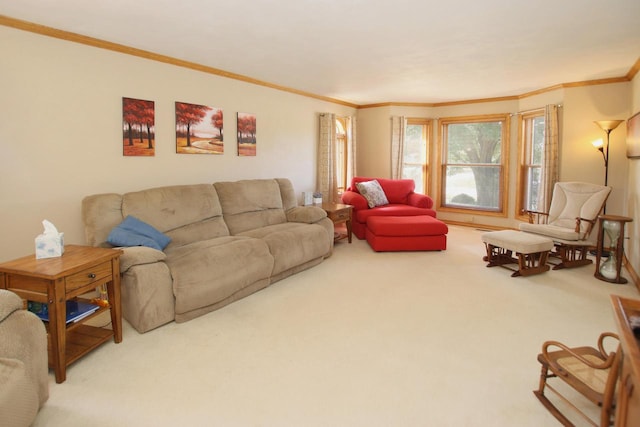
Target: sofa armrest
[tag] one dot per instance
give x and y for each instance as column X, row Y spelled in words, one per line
column 354, row 199
column 420, row 200
column 139, row 255
column 305, row 214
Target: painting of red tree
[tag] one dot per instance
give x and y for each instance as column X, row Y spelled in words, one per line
column 246, row 134
column 199, row 129
column 138, row 127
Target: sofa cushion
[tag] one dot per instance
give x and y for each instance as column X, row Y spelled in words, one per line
column 374, row 194
column 18, row 394
column 293, row 244
column 100, row 213
column 396, row 190
column 209, row 271
column 186, row 213
column 139, row 255
column 251, row 204
column 306, row 214
column 133, row 232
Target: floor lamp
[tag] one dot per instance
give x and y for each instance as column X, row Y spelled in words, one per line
column 607, row 126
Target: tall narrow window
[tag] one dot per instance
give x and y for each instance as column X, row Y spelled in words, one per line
column 341, row 154
column 531, row 146
column 474, row 163
column 415, row 155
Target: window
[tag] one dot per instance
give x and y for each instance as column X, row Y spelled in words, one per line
column 474, row 163
column 414, row 162
column 531, row 147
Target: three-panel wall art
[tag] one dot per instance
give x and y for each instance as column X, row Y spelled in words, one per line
column 199, row 129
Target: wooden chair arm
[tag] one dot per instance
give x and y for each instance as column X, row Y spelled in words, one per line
column 608, row 357
column 587, row 232
column 531, row 214
column 606, row 364
column 601, row 339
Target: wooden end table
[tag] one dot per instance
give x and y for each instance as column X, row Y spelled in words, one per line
column 339, row 213
column 54, row 281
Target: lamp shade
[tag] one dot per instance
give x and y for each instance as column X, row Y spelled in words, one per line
column 606, row 125
column 598, row 143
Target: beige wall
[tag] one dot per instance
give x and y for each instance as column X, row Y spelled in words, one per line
column 579, row 161
column 60, row 138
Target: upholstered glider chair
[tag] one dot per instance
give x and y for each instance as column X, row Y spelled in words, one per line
column 24, row 379
column 591, row 372
column 571, row 218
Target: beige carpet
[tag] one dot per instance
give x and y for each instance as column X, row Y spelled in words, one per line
column 364, row 339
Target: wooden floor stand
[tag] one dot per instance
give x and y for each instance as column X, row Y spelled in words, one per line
column 528, row 264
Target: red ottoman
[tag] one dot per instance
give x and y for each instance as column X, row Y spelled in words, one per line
column 406, row 233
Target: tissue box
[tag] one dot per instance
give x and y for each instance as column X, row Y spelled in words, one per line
column 49, row 246
column 307, row 198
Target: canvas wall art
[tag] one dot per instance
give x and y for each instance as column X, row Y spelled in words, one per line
column 246, row 134
column 199, row 129
column 633, row 137
column 138, row 127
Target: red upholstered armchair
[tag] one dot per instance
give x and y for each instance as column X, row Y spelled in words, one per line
column 403, row 201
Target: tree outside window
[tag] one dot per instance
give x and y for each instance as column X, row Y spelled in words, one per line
column 474, row 163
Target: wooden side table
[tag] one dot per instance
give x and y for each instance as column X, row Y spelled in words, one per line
column 339, row 213
column 54, row 281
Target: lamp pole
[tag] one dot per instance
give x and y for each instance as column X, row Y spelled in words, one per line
column 607, row 126
column 606, row 160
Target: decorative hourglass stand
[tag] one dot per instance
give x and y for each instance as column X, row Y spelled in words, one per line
column 608, row 266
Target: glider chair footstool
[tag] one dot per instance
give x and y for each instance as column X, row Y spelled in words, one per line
column 531, row 251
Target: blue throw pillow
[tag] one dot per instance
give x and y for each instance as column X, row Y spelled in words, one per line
column 133, row 232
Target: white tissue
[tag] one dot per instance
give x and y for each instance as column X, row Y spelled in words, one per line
column 49, row 228
column 50, row 243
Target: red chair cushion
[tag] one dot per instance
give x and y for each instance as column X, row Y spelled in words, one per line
column 423, row 225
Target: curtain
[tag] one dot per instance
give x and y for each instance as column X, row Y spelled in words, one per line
column 398, row 125
column 326, row 180
column 326, row 175
column 549, row 173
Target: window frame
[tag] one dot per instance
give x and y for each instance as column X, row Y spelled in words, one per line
column 443, row 124
column 525, row 138
column 426, row 136
column 342, row 141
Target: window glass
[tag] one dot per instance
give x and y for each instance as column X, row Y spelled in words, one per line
column 531, row 143
column 473, row 166
column 416, row 142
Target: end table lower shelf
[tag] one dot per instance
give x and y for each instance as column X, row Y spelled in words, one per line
column 339, row 214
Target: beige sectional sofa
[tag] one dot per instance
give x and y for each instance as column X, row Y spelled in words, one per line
column 228, row 240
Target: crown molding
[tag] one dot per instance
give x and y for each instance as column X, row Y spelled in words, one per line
column 102, row 44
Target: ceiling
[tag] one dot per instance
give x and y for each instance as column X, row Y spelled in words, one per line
column 370, row 51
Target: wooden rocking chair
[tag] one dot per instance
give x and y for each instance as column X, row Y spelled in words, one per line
column 591, row 372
